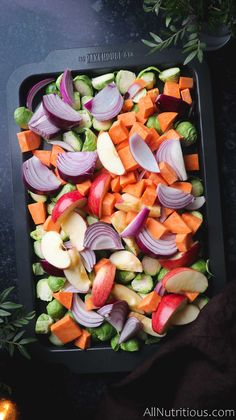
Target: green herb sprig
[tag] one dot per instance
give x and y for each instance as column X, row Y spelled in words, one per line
column 184, row 20
column 12, row 319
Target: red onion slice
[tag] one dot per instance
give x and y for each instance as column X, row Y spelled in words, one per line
column 59, row 112
column 131, row 328
column 76, row 166
column 173, row 198
column 66, row 88
column 100, row 236
column 197, row 203
column 88, row 258
column 115, row 313
column 83, row 316
column 41, row 124
column 160, row 289
column 153, row 247
column 68, row 287
column 106, row 104
column 170, row 151
column 35, row 89
column 136, row 225
column 142, row 154
column 38, row 178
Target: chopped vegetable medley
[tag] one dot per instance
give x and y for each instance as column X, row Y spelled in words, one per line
column 114, row 194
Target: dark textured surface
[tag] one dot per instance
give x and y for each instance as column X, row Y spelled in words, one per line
column 29, row 29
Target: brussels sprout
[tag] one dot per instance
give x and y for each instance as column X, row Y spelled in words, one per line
column 130, row 345
column 38, row 233
column 91, row 220
column 55, row 309
column 152, row 340
column 187, row 130
column 153, row 122
column 65, row 189
column 151, row 266
column 64, row 236
column 83, row 85
column 101, row 125
column 125, row 277
column 55, row 340
column 90, row 142
column 102, row 81
column 58, row 81
column 74, row 140
column 197, row 214
column 51, row 88
column 22, row 116
column 37, row 269
column 43, row 324
column 43, row 291
column 84, row 100
column 38, row 197
column 135, row 108
column 115, row 342
column 197, row 187
column 139, row 95
column 86, row 121
column 124, row 79
column 103, row 333
column 56, row 283
column 50, row 207
column 77, row 102
column 147, row 70
column 150, row 79
column 199, row 265
column 162, row 273
column 142, row 283
column 170, row 75
column 37, row 249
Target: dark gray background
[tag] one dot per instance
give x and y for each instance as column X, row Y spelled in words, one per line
column 29, row 29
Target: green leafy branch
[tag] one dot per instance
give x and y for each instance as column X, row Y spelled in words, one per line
column 12, row 319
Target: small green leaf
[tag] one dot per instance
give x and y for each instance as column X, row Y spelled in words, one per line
column 23, row 351
column 18, row 336
column 173, row 28
column 5, row 293
column 193, row 36
column 168, row 20
column 148, row 43
column 190, row 57
column 11, row 349
column 10, row 305
column 27, row 341
column 189, row 43
column 200, row 55
column 191, row 48
column 4, row 313
column 155, row 37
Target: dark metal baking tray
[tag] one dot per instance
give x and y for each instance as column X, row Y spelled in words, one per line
column 95, row 61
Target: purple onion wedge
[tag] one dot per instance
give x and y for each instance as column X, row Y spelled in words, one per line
column 173, row 198
column 115, row 313
column 100, row 236
column 83, row 316
column 38, row 178
column 131, row 329
column 136, row 225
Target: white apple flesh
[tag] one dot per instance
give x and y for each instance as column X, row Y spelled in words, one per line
column 127, row 261
column 53, row 252
column 186, row 315
column 76, row 273
column 183, row 279
column 75, row 227
column 121, row 292
column 108, row 155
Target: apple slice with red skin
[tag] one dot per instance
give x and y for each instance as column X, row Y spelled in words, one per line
column 186, row 315
column 98, row 189
column 181, row 259
column 103, row 284
column 66, row 204
column 184, row 279
column 53, row 251
column 167, row 308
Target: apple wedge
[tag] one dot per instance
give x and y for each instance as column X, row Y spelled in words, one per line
column 147, row 324
column 127, row 261
column 108, row 155
column 201, row 301
column 76, row 273
column 128, row 202
column 53, row 252
column 183, row 279
column 75, row 227
column 168, row 306
column 103, row 284
column 98, row 189
column 121, row 292
column 186, row 315
column 66, row 204
column 181, row 259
